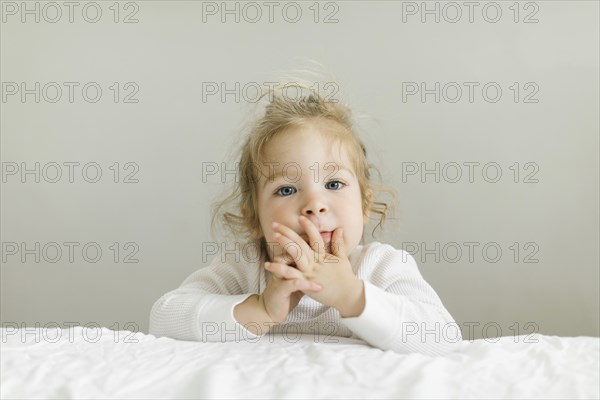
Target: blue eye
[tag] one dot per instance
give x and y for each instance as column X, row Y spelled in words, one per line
column 285, row 191
column 337, row 185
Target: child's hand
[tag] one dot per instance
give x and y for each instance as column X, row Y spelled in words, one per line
column 284, row 290
column 333, row 271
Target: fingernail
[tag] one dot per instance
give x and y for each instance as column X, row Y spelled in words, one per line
column 274, row 224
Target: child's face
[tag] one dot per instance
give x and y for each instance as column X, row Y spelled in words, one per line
column 312, row 178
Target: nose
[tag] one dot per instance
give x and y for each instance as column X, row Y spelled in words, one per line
column 315, row 205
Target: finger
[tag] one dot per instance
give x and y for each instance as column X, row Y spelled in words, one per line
column 314, row 236
column 302, row 285
column 284, row 259
column 292, row 252
column 293, row 245
column 283, row 271
column 292, row 235
column 338, row 248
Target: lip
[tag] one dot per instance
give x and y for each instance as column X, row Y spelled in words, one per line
column 326, row 235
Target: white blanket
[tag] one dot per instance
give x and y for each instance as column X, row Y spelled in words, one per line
column 78, row 363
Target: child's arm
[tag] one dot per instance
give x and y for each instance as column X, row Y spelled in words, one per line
column 210, row 305
column 251, row 314
column 201, row 309
column 402, row 312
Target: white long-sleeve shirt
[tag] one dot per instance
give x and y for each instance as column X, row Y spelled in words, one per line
column 402, row 311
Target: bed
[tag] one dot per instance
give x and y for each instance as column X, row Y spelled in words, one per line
column 81, row 362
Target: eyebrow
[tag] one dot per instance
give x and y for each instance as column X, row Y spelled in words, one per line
column 272, row 178
column 326, row 172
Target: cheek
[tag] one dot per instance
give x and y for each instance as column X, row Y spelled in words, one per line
column 351, row 211
column 270, row 213
column 277, row 210
column 357, row 203
column 354, row 210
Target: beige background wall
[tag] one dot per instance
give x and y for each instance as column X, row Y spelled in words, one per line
column 158, row 120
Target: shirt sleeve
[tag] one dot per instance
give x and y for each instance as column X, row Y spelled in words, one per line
column 201, row 309
column 402, row 311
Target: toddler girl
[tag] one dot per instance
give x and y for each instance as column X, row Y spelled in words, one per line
column 303, row 199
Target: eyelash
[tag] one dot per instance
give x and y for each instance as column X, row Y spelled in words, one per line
column 277, row 192
column 342, row 184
